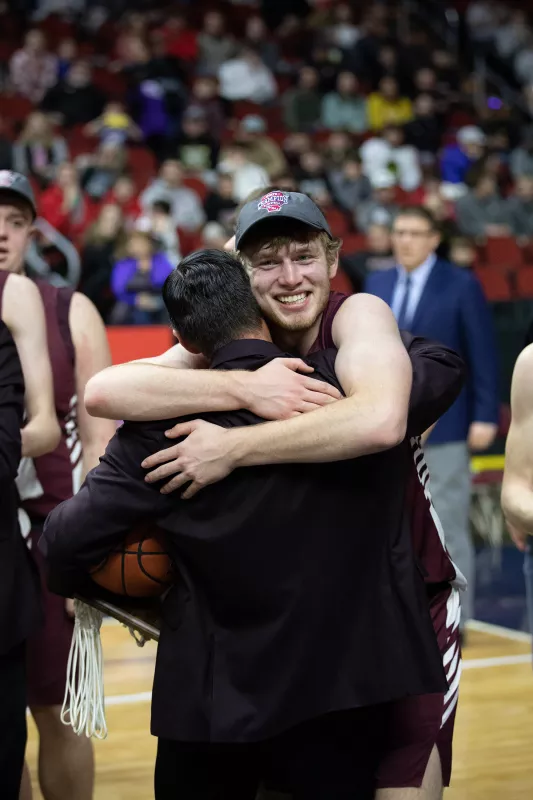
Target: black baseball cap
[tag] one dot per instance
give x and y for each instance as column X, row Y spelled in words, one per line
column 275, row 205
column 18, row 184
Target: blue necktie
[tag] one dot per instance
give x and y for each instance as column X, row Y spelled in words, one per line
column 403, row 316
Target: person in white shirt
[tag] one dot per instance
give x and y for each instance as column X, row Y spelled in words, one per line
column 247, row 176
column 187, row 211
column 247, row 78
column 389, row 152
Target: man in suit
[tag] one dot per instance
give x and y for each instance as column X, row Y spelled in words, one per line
column 433, row 298
column 241, row 658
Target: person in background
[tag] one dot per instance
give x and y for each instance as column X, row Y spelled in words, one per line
column 100, row 170
column 462, row 252
column 432, row 298
column 311, row 174
column 204, row 95
column 215, row 45
column 246, row 77
column 424, row 132
column 390, row 152
column 114, row 125
column 195, row 147
column 105, row 237
column 377, row 255
column 345, row 108
column 302, row 104
column 180, row 41
column 219, row 205
column 6, row 147
column 482, row 212
column 124, row 194
column 338, row 147
column 521, row 161
column 75, row 100
column 214, row 236
column 187, row 210
column 256, row 36
column 349, row 186
column 39, row 151
column 136, row 282
column 381, row 207
column 158, row 222
column 458, row 159
column 246, row 175
column 65, row 205
column 32, row 69
column 67, row 52
column 520, row 209
column 387, row 106
column 262, row 150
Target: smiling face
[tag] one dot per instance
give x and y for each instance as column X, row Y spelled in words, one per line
column 290, row 278
column 16, row 227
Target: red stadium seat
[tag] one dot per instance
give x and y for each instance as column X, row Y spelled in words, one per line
column 524, row 283
column 341, row 283
column 198, row 186
column 503, row 252
column 142, row 165
column 353, row 243
column 189, row 241
column 495, row 283
column 15, row 108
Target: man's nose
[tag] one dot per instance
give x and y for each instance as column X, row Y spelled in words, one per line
column 290, row 273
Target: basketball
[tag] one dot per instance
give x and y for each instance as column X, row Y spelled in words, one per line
column 139, row 567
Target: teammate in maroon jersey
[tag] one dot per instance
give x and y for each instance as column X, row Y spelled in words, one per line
column 77, row 345
column 292, row 257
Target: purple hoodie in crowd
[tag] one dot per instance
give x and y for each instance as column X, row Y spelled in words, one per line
column 124, row 271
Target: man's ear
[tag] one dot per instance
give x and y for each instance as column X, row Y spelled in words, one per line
column 194, row 350
column 333, row 267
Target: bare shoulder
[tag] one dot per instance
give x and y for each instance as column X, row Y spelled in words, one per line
column 522, row 385
column 363, row 312
column 22, row 300
column 87, row 327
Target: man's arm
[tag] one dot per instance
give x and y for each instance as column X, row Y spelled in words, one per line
column 375, row 372
column 80, row 532
column 11, row 408
column 438, row 377
column 480, row 343
column 23, row 314
column 92, row 355
column 173, row 385
column 517, row 490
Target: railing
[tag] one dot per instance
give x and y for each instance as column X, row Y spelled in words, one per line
column 39, row 266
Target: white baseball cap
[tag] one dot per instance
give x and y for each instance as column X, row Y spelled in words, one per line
column 383, row 179
column 471, row 134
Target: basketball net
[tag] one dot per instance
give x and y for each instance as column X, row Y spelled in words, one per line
column 83, row 706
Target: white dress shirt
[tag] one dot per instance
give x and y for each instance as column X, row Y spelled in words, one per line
column 419, row 277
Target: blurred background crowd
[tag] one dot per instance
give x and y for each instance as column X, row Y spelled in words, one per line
column 143, row 125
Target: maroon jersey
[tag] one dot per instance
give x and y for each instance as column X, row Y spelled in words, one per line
column 426, row 528
column 46, row 481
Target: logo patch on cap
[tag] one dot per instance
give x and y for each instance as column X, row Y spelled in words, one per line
column 273, row 201
column 7, row 178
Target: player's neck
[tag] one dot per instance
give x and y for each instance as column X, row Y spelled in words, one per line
column 298, row 341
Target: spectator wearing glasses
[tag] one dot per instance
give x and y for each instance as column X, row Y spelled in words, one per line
column 433, row 298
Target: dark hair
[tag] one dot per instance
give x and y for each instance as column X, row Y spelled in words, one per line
column 421, row 213
column 210, row 301
column 162, row 205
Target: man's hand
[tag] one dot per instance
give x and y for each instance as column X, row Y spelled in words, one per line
column 204, row 457
column 278, row 391
column 481, row 435
column 518, row 535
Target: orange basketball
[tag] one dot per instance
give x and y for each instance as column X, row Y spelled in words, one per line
column 140, row 567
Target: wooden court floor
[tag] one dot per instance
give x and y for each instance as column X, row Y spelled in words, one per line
column 494, row 731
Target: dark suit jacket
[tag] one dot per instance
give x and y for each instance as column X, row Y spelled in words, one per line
column 264, row 628
column 453, row 310
column 19, row 588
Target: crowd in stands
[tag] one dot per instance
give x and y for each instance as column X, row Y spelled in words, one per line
column 143, row 126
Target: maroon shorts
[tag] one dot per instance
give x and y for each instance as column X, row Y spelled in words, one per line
column 420, row 723
column 48, row 649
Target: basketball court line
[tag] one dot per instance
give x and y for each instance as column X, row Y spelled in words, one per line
column 474, row 663
column 498, row 630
